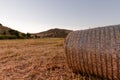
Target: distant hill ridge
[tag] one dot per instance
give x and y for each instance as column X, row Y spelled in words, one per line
column 53, row 33
column 8, row 33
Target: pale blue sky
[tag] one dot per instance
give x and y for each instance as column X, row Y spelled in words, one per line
column 40, row 15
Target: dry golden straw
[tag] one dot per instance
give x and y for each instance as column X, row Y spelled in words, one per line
column 95, row 52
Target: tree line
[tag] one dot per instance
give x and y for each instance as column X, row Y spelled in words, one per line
column 14, row 34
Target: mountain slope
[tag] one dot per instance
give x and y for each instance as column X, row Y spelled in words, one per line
column 4, row 30
column 8, row 33
column 53, row 33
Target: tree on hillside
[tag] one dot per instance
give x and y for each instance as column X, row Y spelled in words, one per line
column 24, row 35
column 4, row 33
column 28, row 35
column 0, row 24
column 14, row 32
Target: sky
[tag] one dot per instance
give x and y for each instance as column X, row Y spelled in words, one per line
column 39, row 15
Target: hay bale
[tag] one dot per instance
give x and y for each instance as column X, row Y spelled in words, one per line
column 95, row 52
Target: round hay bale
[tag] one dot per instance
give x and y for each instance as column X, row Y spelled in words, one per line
column 95, row 52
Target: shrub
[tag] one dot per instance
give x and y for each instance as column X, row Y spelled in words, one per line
column 28, row 35
column 8, row 37
column 4, row 33
column 14, row 32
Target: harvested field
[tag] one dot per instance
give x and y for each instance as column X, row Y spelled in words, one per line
column 34, row 59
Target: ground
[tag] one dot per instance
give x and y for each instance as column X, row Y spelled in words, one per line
column 34, row 59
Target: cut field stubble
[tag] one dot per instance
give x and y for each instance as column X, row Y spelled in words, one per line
column 34, row 59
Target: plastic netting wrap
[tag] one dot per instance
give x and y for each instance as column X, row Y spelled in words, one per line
column 95, row 52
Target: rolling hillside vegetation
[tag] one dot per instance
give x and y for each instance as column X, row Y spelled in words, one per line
column 8, row 33
column 53, row 33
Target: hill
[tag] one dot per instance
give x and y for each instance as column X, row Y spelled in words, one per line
column 4, row 30
column 8, row 33
column 53, row 33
